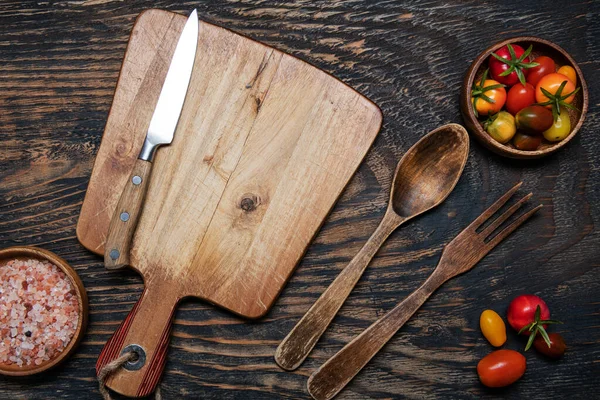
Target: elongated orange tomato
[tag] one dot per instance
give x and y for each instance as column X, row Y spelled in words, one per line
column 501, row 368
column 493, row 328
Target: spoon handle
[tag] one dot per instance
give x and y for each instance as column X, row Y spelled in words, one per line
column 294, row 349
column 335, row 374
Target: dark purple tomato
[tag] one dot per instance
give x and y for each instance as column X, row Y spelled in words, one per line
column 526, row 142
column 555, row 350
column 534, row 120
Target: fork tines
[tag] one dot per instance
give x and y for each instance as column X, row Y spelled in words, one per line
column 487, row 231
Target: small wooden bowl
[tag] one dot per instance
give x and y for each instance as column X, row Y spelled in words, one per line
column 541, row 47
column 27, row 253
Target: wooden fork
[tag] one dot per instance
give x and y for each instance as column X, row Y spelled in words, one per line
column 459, row 256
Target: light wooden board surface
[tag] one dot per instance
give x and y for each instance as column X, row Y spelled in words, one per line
column 264, row 147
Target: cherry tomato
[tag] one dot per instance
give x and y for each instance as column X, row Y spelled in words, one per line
column 521, row 311
column 503, row 127
column 526, row 142
column 551, row 83
column 546, row 66
column 493, row 328
column 534, row 120
column 519, row 97
column 560, row 129
column 569, row 72
column 501, row 368
column 504, row 61
column 555, row 350
column 498, row 95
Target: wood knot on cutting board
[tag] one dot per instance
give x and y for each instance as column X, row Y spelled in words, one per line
column 249, row 201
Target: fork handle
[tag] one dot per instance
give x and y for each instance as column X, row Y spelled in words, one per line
column 335, row 374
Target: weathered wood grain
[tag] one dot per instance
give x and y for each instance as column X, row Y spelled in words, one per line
column 459, row 256
column 59, row 66
column 264, row 146
column 424, row 177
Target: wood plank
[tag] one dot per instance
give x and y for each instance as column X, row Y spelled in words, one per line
column 257, row 123
column 60, row 65
column 266, row 122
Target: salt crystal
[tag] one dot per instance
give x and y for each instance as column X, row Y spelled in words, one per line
column 38, row 309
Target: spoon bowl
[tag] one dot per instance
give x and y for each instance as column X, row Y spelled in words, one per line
column 428, row 172
column 424, row 177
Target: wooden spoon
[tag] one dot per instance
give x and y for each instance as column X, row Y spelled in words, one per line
column 424, row 177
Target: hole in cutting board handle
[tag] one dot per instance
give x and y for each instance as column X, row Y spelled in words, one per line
column 139, row 359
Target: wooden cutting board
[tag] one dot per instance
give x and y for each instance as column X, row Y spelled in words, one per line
column 264, row 147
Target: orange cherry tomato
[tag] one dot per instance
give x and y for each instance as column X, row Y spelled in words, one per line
column 498, row 95
column 569, row 72
column 551, row 83
column 501, row 368
column 493, row 328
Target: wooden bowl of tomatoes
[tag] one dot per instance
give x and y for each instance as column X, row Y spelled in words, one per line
column 524, row 98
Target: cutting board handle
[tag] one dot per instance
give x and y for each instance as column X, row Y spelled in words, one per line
column 146, row 332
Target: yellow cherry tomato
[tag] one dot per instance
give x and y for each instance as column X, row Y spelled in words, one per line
column 493, row 328
column 569, row 72
column 561, row 127
column 503, row 128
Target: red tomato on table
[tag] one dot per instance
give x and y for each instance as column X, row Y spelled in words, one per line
column 521, row 311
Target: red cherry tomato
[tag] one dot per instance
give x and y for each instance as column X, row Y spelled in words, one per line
column 501, row 368
column 519, row 97
column 521, row 311
column 547, row 66
column 497, row 67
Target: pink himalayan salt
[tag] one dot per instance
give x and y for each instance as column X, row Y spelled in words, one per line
column 39, row 312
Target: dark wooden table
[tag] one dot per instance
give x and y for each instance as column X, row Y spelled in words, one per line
column 59, row 63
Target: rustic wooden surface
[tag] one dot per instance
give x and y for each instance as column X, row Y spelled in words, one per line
column 264, row 146
column 59, row 66
column 424, row 177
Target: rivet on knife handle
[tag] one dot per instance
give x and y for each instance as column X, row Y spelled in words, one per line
column 126, row 217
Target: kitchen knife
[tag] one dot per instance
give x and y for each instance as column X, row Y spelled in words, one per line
column 161, row 130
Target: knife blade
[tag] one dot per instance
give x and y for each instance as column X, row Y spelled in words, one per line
column 160, row 132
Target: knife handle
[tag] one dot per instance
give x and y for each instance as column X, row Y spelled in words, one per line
column 126, row 216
